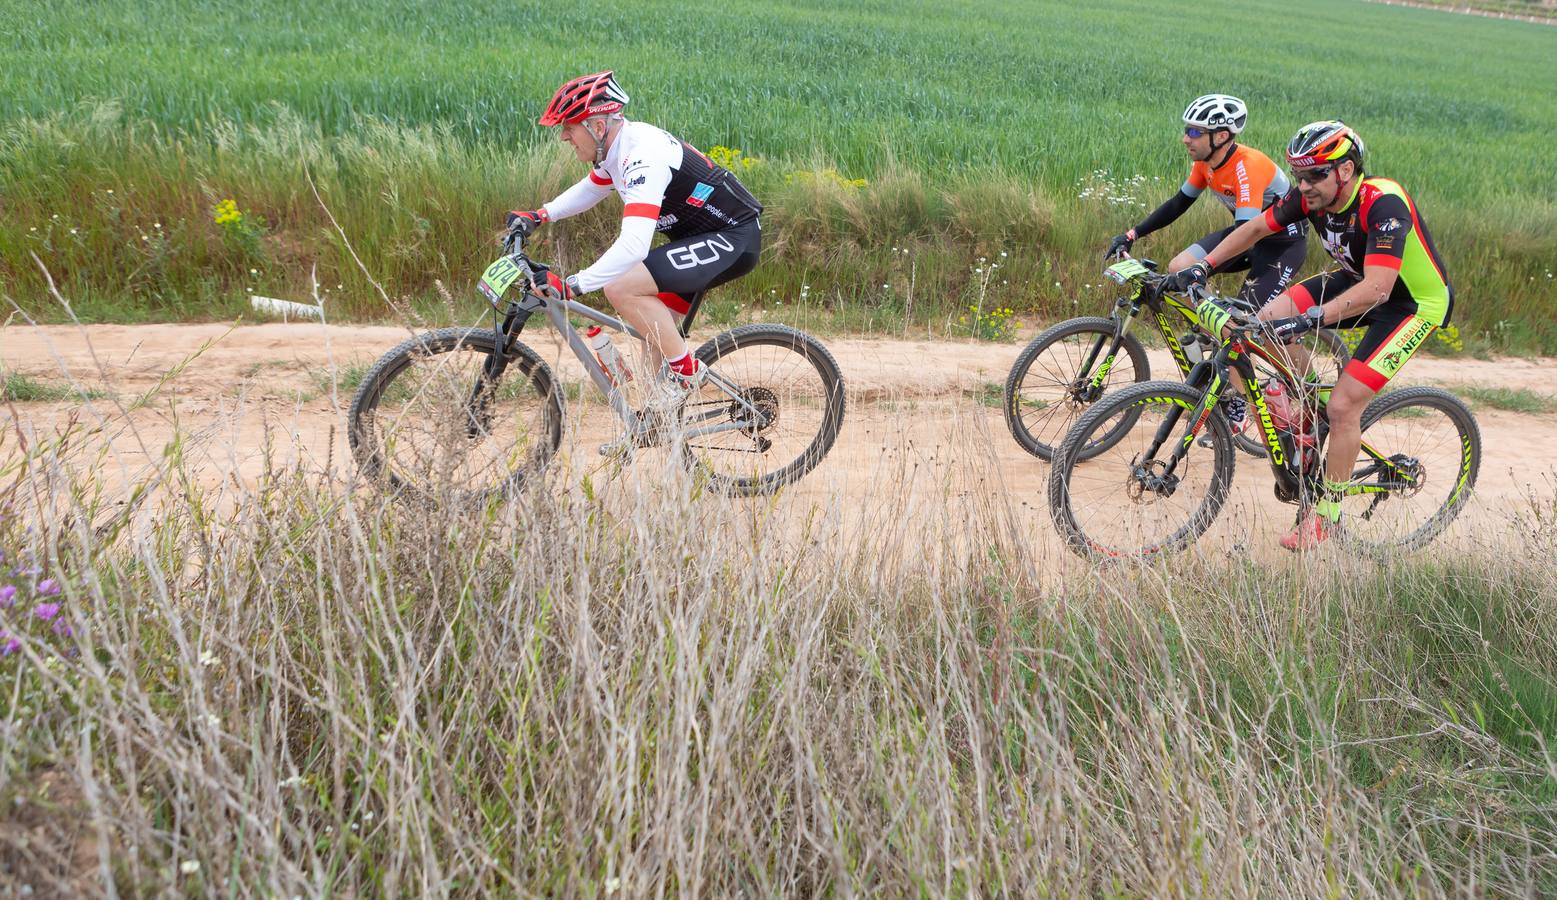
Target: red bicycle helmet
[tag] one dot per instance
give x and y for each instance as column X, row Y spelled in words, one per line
column 585, row 96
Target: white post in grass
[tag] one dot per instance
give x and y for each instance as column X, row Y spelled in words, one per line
column 286, row 308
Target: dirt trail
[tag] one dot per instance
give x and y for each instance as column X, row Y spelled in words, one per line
column 923, row 418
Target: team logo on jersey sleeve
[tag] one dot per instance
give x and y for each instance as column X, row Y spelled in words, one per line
column 700, row 194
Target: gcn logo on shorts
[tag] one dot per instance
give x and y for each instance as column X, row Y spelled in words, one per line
column 700, row 253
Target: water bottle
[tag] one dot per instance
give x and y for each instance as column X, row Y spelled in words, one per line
column 1279, row 404
column 610, row 358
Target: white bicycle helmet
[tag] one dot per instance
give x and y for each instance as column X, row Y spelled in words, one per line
column 1217, row 111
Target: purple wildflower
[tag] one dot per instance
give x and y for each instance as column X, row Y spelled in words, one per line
column 7, row 595
column 46, row 611
column 8, row 644
column 63, row 629
column 48, row 587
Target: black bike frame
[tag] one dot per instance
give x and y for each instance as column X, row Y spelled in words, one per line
column 1292, row 482
column 1125, row 311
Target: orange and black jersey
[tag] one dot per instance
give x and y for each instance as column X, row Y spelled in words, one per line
column 1245, row 182
column 1379, row 226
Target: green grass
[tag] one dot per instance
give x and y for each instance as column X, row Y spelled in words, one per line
column 18, row 388
column 1520, row 400
column 975, row 127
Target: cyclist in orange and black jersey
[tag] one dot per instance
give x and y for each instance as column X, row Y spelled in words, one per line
column 1245, row 181
column 1391, row 281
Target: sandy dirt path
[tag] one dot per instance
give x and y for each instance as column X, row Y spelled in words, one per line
column 923, row 421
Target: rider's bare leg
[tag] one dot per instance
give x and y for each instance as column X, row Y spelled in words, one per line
column 635, row 296
column 1344, row 411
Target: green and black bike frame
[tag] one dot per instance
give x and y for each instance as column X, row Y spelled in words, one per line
column 1299, row 474
column 1126, row 309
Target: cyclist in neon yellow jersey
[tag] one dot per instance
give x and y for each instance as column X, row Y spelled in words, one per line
column 1391, row 280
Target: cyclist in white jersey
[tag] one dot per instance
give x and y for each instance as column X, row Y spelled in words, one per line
column 666, row 186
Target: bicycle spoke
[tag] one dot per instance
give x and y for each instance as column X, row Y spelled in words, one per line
column 1120, row 502
column 1431, row 452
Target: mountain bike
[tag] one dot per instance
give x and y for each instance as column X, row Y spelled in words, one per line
column 1158, row 486
column 475, row 411
column 1068, row 367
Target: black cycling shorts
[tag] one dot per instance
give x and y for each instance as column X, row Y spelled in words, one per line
column 1271, row 264
column 682, row 268
column 1395, row 331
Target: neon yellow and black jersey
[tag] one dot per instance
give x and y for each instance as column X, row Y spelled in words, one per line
column 1379, row 226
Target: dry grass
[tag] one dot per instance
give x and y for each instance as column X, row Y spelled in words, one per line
column 303, row 687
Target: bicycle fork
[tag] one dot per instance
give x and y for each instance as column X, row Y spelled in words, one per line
column 1087, row 388
column 1158, row 476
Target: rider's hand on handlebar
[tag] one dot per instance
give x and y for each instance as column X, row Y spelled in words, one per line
column 1119, row 246
column 558, row 289
column 1285, row 330
column 1184, row 279
column 525, row 221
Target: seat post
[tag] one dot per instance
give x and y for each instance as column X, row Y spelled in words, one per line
column 692, row 305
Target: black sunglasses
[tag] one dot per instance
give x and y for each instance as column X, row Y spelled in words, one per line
column 1192, row 132
column 1312, row 175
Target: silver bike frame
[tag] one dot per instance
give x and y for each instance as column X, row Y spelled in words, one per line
column 643, row 430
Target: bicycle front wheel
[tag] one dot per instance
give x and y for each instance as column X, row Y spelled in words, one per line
column 1421, row 452
column 1049, row 385
column 769, row 411
column 437, row 418
column 1124, row 502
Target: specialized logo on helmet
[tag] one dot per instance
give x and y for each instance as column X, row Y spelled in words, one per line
column 585, row 96
column 1318, row 143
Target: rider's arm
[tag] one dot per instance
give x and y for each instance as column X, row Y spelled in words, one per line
column 1389, row 225
column 641, row 199
column 1278, row 216
column 1169, row 211
column 591, row 189
column 1242, row 238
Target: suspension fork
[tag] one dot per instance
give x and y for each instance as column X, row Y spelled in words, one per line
column 1212, row 375
column 477, row 406
column 1124, row 313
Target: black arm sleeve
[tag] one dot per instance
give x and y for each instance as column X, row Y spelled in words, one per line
column 1164, row 215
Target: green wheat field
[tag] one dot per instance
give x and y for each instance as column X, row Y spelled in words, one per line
column 894, row 143
column 292, row 684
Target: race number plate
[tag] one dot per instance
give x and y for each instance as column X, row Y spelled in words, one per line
column 498, row 278
column 1126, row 269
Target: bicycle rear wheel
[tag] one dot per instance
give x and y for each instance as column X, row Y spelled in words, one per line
column 1122, row 503
column 1047, row 388
column 1427, row 451
column 778, row 394
column 431, row 421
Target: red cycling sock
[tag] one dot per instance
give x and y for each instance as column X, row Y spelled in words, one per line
column 686, row 365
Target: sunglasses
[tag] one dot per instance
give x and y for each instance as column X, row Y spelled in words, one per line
column 1192, row 132
column 1312, row 175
